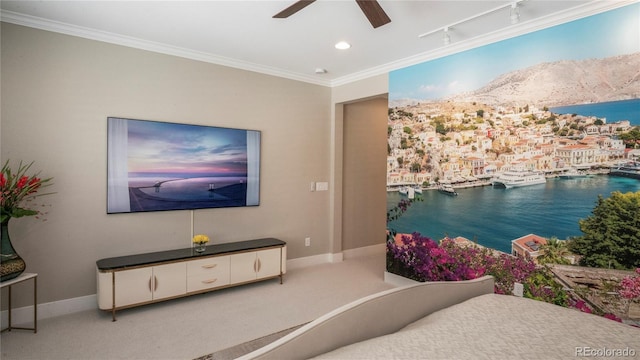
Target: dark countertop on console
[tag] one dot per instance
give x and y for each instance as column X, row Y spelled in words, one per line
column 122, row 262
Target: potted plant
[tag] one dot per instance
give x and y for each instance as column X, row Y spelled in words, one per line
column 16, row 188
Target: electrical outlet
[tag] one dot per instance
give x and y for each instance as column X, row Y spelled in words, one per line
column 307, row 241
column 312, row 186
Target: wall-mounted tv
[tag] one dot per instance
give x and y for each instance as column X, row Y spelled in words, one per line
column 155, row 166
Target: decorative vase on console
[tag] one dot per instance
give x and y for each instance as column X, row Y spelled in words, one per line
column 15, row 187
column 200, row 243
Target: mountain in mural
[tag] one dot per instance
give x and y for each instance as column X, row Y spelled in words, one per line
column 563, row 82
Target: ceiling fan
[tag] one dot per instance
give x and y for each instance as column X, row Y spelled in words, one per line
column 371, row 9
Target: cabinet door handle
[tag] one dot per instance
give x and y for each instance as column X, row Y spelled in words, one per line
column 210, row 266
column 259, row 265
column 155, row 283
column 209, row 281
column 150, row 289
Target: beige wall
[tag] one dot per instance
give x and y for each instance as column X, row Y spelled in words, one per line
column 364, row 169
column 341, row 96
column 364, row 89
column 57, row 92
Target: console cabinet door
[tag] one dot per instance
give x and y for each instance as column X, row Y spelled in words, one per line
column 242, row 267
column 169, row 280
column 255, row 265
column 268, row 263
column 133, row 286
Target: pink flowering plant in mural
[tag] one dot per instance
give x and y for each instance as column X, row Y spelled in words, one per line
column 630, row 286
column 630, row 289
column 420, row 258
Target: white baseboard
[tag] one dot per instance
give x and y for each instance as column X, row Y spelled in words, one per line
column 337, row 257
column 365, row 251
column 24, row 315
column 314, row 260
column 309, row 261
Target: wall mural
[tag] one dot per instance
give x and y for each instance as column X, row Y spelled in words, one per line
column 549, row 109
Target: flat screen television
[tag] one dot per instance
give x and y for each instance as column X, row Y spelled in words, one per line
column 156, row 166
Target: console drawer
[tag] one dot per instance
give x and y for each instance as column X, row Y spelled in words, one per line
column 207, row 281
column 212, row 266
column 207, row 273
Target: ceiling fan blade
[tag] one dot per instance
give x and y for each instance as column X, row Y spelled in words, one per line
column 297, row 6
column 373, row 11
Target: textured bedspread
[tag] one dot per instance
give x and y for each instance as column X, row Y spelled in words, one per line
column 501, row 327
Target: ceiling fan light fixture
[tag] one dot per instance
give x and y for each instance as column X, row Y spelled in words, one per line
column 342, row 45
column 371, row 9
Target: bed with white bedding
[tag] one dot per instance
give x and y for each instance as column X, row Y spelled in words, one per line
column 495, row 326
column 453, row 320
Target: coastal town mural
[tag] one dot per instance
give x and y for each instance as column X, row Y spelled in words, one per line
column 471, row 115
column 512, row 144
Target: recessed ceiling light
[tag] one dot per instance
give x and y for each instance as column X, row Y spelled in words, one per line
column 321, row 71
column 343, row 45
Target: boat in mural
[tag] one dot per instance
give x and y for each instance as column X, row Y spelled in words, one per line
column 512, row 179
column 630, row 170
column 573, row 173
column 408, row 191
column 447, row 189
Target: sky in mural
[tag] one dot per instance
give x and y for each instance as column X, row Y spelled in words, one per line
column 187, row 149
column 612, row 33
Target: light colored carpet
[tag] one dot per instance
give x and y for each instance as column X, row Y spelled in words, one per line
column 203, row 324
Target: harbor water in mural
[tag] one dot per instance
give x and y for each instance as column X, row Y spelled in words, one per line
column 494, row 216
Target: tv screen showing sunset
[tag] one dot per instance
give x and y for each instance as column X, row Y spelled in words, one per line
column 155, row 166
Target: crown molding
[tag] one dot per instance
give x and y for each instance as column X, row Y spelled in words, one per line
column 522, row 28
column 108, row 37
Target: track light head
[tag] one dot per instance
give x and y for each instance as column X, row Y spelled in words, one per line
column 515, row 13
column 446, row 39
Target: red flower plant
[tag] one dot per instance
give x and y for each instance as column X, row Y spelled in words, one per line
column 16, row 188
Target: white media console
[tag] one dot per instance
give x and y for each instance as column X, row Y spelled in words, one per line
column 135, row 280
